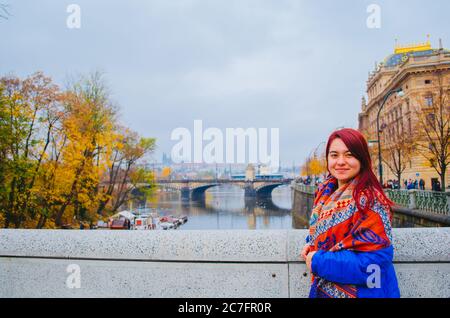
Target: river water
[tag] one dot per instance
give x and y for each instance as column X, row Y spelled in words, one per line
column 225, row 208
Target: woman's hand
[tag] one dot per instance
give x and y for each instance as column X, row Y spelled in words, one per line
column 305, row 251
column 309, row 260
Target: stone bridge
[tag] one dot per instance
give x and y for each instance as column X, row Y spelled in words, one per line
column 195, row 189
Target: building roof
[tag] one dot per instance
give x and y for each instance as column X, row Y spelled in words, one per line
column 402, row 52
column 398, row 58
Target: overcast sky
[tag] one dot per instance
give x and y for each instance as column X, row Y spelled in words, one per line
column 300, row 66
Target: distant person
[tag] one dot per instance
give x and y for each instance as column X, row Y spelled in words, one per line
column 410, row 185
column 422, row 184
column 339, row 250
column 438, row 186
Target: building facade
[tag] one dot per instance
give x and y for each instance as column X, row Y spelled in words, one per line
column 419, row 70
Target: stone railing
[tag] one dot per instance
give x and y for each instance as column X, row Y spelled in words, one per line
column 400, row 197
column 303, row 187
column 429, row 201
column 237, row 263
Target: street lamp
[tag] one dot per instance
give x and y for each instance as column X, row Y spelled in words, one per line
column 400, row 93
column 315, row 155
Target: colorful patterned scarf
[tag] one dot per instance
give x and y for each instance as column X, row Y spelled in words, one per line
column 336, row 224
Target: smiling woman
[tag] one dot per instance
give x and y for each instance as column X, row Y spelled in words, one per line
column 341, row 162
column 349, row 247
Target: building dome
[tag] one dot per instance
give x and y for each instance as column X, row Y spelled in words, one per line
column 403, row 52
column 398, row 58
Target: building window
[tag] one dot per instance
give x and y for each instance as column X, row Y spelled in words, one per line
column 431, row 119
column 429, row 100
column 427, row 82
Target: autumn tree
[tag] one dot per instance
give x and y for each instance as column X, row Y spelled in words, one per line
column 397, row 151
column 89, row 124
column 314, row 166
column 29, row 114
column 57, row 150
column 123, row 174
column 165, row 173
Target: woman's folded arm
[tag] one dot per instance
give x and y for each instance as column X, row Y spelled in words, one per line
column 350, row 267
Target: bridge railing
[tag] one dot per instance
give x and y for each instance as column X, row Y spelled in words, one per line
column 303, row 187
column 429, row 201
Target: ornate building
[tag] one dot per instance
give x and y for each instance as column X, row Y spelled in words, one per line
column 417, row 70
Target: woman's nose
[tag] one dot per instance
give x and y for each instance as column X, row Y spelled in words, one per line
column 340, row 161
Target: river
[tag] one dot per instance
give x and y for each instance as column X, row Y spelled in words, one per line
column 225, row 208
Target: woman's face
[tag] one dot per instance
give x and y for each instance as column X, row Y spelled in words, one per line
column 341, row 162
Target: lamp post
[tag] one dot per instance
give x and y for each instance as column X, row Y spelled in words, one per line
column 315, row 154
column 400, row 93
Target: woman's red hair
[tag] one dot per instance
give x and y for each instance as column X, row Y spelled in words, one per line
column 368, row 184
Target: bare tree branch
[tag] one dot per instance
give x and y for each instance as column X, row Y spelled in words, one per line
column 4, row 13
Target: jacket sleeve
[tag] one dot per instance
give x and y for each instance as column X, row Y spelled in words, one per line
column 350, row 267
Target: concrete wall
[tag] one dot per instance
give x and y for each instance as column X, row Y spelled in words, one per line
column 237, row 263
column 302, row 204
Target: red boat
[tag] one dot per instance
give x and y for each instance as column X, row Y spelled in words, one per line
column 120, row 224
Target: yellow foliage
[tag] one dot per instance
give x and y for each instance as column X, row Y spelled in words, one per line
column 166, row 171
column 61, row 166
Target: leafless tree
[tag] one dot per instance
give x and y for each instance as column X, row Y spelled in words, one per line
column 4, row 13
column 433, row 125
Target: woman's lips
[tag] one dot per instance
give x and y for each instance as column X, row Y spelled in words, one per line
column 341, row 170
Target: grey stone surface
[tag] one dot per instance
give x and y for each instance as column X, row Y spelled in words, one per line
column 233, row 245
column 242, row 263
column 423, row 280
column 299, row 280
column 48, row 278
column 295, row 243
column 422, row 244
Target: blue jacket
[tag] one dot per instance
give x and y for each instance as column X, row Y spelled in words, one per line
column 371, row 272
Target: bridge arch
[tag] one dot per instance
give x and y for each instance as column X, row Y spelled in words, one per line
column 198, row 193
column 265, row 191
